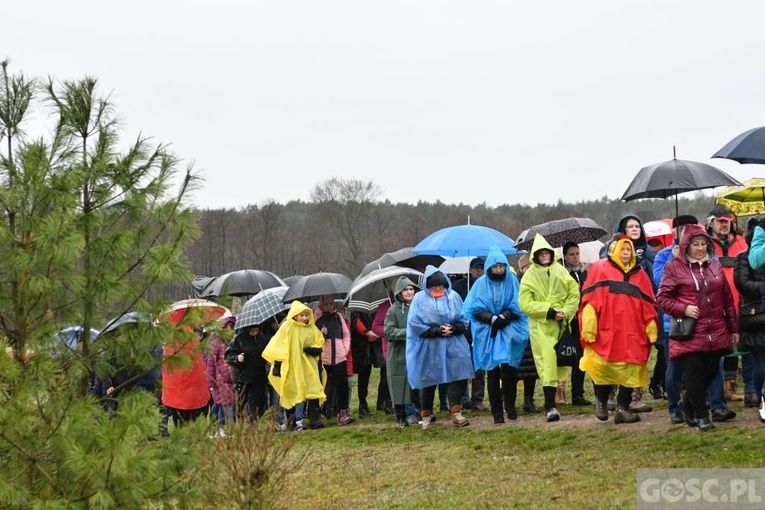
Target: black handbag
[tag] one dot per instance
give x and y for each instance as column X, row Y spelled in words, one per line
column 565, row 349
column 751, row 316
column 682, row 328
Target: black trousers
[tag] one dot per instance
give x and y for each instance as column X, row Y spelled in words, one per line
column 623, row 396
column 455, row 390
column 362, row 384
column 337, row 387
column 505, row 393
column 699, row 368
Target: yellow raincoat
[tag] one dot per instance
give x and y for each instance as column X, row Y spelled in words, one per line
column 300, row 378
column 543, row 288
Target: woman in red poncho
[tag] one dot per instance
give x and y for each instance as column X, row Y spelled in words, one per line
column 617, row 320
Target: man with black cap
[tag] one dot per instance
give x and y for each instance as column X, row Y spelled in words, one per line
column 462, row 287
column 721, row 228
column 674, row 372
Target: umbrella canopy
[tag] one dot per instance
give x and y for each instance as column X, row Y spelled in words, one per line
column 748, row 147
column 261, row 307
column 404, row 257
column 197, row 310
column 560, row 232
column 70, row 337
column 290, row 280
column 128, row 318
column 368, row 292
column 312, row 287
column 744, row 200
column 200, row 284
column 244, row 282
column 464, row 241
column 673, row 177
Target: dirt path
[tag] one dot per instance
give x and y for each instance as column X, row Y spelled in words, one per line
column 579, row 418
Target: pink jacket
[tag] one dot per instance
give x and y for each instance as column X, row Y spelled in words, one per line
column 219, row 374
column 702, row 284
column 342, row 345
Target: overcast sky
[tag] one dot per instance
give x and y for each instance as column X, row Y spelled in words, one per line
column 496, row 102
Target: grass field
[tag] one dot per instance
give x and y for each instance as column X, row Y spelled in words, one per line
column 578, row 462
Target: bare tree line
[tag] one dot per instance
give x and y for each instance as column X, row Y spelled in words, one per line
column 346, row 224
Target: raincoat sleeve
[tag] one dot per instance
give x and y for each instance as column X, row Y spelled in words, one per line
column 394, row 332
column 757, row 249
column 588, row 323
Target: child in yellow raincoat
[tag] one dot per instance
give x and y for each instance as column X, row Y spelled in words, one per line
column 295, row 356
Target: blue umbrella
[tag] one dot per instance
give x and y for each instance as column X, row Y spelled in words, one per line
column 748, row 147
column 464, row 241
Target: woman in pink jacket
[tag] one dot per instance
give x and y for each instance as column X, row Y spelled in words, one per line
column 694, row 285
column 337, row 345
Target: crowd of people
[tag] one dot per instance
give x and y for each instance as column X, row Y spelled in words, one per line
column 501, row 326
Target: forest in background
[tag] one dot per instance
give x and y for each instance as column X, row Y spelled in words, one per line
column 346, row 224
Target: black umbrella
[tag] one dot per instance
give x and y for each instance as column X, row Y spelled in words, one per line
column 404, row 258
column 673, row 177
column 245, row 282
column 560, row 232
column 312, row 287
column 748, row 147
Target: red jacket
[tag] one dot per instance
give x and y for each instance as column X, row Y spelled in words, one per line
column 727, row 256
column 705, row 285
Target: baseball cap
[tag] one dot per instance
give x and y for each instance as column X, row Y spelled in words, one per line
column 477, row 262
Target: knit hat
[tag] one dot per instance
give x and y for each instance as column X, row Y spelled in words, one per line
column 523, row 261
column 436, row 278
column 684, row 219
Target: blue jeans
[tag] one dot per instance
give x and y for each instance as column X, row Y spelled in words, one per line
column 758, row 372
column 673, row 379
column 410, row 410
column 716, row 392
column 747, row 372
column 225, row 413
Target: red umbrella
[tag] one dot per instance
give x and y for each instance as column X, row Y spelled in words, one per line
column 195, row 312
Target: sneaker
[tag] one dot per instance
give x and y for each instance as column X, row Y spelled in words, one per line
column 704, row 424
column 751, row 399
column 299, row 426
column 601, row 411
column 761, row 412
column 426, row 422
column 412, row 420
column 676, row 418
column 316, row 424
column 344, row 418
column 552, row 414
column 656, row 392
column 221, row 432
column 722, row 415
column 282, row 427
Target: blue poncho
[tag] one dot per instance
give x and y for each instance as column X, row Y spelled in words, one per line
column 487, row 295
column 432, row 361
